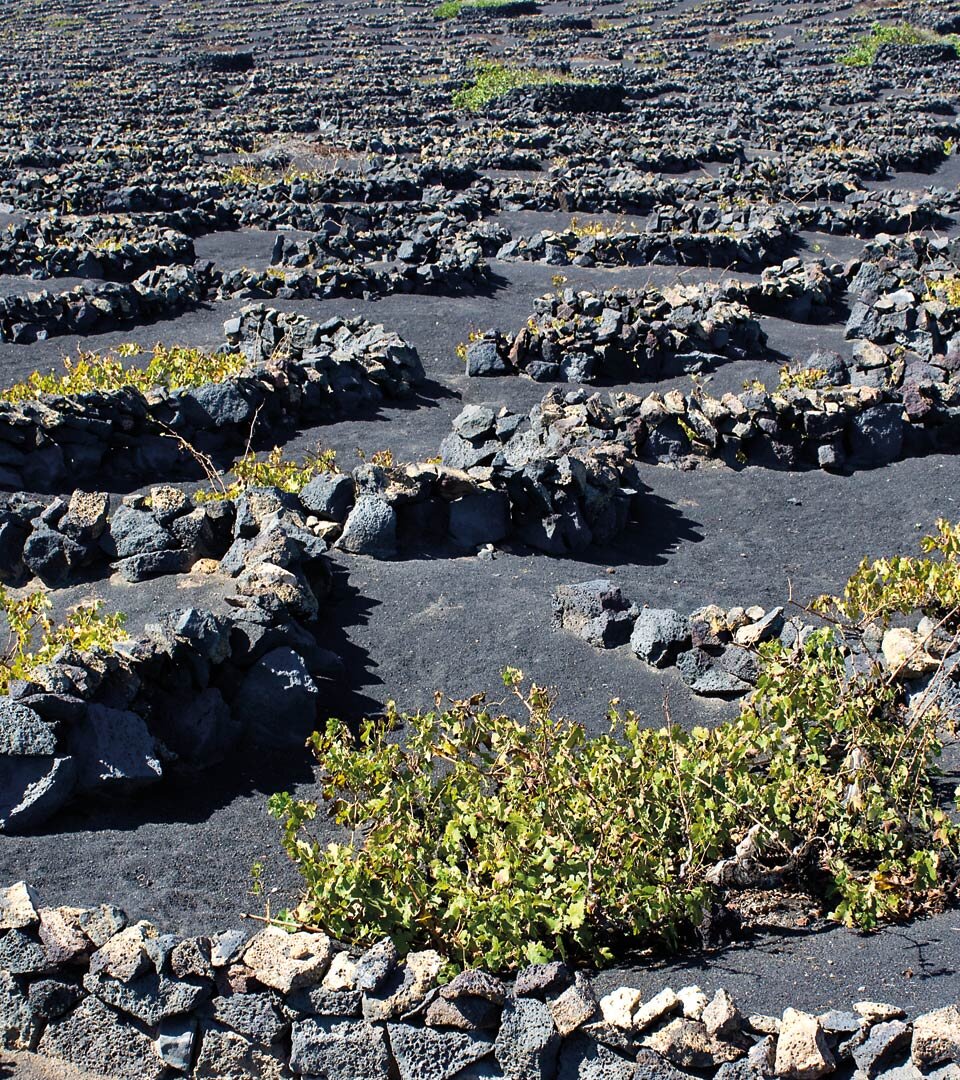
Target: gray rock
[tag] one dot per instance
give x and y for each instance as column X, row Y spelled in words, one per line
column 527, row 1042
column 202, row 730
column 52, row 556
column 706, row 675
column 880, row 1046
column 651, row 1066
column 475, row 983
column 153, row 564
column 583, row 1059
column 175, row 1040
column 19, row 1023
column 227, row 1055
column 483, row 358
column 151, row 997
column 659, row 635
column 464, row 1014
column 20, row 954
column 339, row 1050
column 256, row 1016
column 114, row 751
column 376, row 965
column 32, row 789
column 277, row 700
column 542, row 980
column 136, row 532
column 426, row 1054
column 329, row 496
column 23, row 733
column 102, row 923
column 317, row 1001
column 876, row 435
column 215, row 406
column 96, row 1039
column 475, row 422
column 479, row 519
column 226, row 947
column 52, row 998
column 595, row 611
column 405, row 989
column 370, row 528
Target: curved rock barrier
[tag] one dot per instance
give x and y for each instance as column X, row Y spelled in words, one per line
column 106, row 722
column 829, row 413
column 119, row 998
column 160, row 293
column 298, row 369
column 111, row 257
column 714, row 650
column 622, row 334
column 739, row 245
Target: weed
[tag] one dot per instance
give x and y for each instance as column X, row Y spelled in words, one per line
column 493, row 80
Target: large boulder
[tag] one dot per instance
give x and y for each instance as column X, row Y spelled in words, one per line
column 115, row 752
column 370, row 528
column 277, row 700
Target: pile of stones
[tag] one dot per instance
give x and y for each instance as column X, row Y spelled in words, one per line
column 90, row 987
column 712, row 649
column 565, row 494
column 27, row 251
column 747, row 242
column 197, row 685
column 198, row 682
column 159, row 293
column 828, row 413
column 621, row 335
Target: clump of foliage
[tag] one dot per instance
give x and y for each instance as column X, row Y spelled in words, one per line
column 35, row 639
column 502, row 841
column 272, row 471
column 802, row 379
column 493, row 80
column 864, row 52
column 946, row 290
column 172, row 368
column 450, row 9
column 881, row 588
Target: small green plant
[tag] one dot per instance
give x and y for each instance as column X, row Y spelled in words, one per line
column 946, row 290
column 33, row 638
column 272, row 471
column 803, row 379
column 171, row 368
column 493, row 80
column 864, row 52
column 906, row 583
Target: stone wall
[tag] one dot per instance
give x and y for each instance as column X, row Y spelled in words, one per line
column 127, row 1002
column 160, row 293
column 299, row 370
